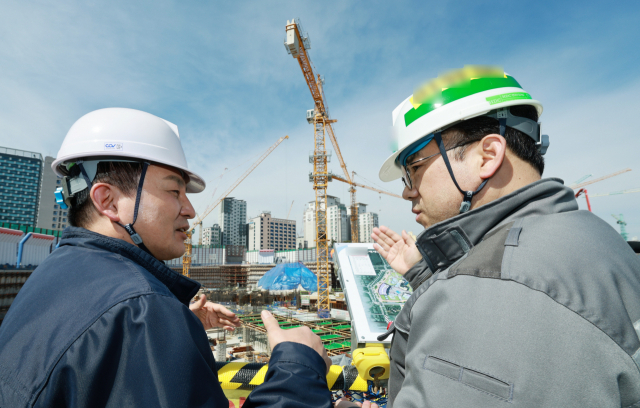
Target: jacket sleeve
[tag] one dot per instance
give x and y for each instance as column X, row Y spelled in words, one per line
column 486, row 342
column 295, row 378
column 146, row 351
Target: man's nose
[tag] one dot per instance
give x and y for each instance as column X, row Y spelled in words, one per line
column 187, row 209
column 409, row 194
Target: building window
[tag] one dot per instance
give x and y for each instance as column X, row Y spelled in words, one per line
column 54, row 219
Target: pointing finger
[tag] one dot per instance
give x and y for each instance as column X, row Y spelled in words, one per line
column 270, row 322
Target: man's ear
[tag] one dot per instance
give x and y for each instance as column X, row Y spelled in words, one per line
column 105, row 199
column 492, row 149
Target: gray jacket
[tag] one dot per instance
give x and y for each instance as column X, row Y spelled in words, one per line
column 523, row 302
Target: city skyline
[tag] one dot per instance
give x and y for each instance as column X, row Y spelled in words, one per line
column 231, row 103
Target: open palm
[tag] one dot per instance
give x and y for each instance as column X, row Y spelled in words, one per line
column 214, row 315
column 399, row 251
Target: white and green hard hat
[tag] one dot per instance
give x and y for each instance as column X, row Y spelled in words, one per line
column 452, row 98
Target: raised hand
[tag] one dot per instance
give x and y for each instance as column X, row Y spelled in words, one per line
column 399, row 250
column 214, row 315
column 302, row 335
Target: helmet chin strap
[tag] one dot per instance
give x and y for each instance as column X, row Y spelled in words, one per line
column 468, row 195
column 135, row 237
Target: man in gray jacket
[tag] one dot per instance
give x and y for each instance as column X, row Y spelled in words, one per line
column 520, row 299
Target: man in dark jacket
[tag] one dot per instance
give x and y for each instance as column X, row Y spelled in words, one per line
column 102, row 322
column 519, row 299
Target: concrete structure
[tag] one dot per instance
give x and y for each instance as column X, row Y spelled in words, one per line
column 20, row 183
column 266, row 232
column 301, row 243
column 366, row 223
column 212, row 236
column 233, row 218
column 50, row 215
column 309, row 220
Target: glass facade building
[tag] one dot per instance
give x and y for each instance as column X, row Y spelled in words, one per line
column 20, row 182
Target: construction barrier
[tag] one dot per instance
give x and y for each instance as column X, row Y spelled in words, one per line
column 247, row 376
column 203, row 256
column 9, row 239
column 36, row 249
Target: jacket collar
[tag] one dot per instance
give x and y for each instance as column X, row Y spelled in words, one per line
column 182, row 287
column 444, row 243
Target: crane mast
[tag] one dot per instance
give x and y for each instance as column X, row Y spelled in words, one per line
column 186, row 258
column 297, row 45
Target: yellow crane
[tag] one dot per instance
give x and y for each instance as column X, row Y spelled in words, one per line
column 186, row 258
column 355, row 234
column 297, row 45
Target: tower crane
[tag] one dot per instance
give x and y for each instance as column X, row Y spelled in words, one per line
column 186, row 258
column 297, row 44
column 623, row 225
column 583, row 191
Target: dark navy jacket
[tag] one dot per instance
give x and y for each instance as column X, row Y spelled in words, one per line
column 100, row 323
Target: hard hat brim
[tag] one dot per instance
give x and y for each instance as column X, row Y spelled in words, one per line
column 196, row 183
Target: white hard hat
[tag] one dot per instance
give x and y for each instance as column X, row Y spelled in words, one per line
column 445, row 105
column 121, row 134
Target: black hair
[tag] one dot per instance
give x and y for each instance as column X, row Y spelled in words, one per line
column 123, row 175
column 473, row 130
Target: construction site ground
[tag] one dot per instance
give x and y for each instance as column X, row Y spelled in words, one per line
column 251, row 339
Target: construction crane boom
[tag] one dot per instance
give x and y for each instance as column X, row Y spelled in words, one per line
column 297, row 46
column 333, row 176
column 186, row 260
column 290, row 207
column 586, row 183
column 634, row 190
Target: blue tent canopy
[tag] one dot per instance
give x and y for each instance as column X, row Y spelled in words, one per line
column 288, row 277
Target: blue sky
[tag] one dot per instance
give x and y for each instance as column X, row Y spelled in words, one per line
column 219, row 70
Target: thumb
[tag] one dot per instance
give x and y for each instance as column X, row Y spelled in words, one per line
column 270, row 322
column 200, row 302
column 409, row 239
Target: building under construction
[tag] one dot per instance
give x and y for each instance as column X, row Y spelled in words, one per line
column 241, row 276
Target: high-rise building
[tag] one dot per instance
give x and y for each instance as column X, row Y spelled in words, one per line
column 309, row 220
column 212, row 235
column 366, row 223
column 20, row 183
column 233, row 220
column 50, row 215
column 338, row 226
column 266, row 232
column 301, row 243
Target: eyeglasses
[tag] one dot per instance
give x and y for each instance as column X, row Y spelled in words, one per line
column 406, row 179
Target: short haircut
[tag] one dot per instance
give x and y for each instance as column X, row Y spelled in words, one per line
column 123, row 175
column 474, row 129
